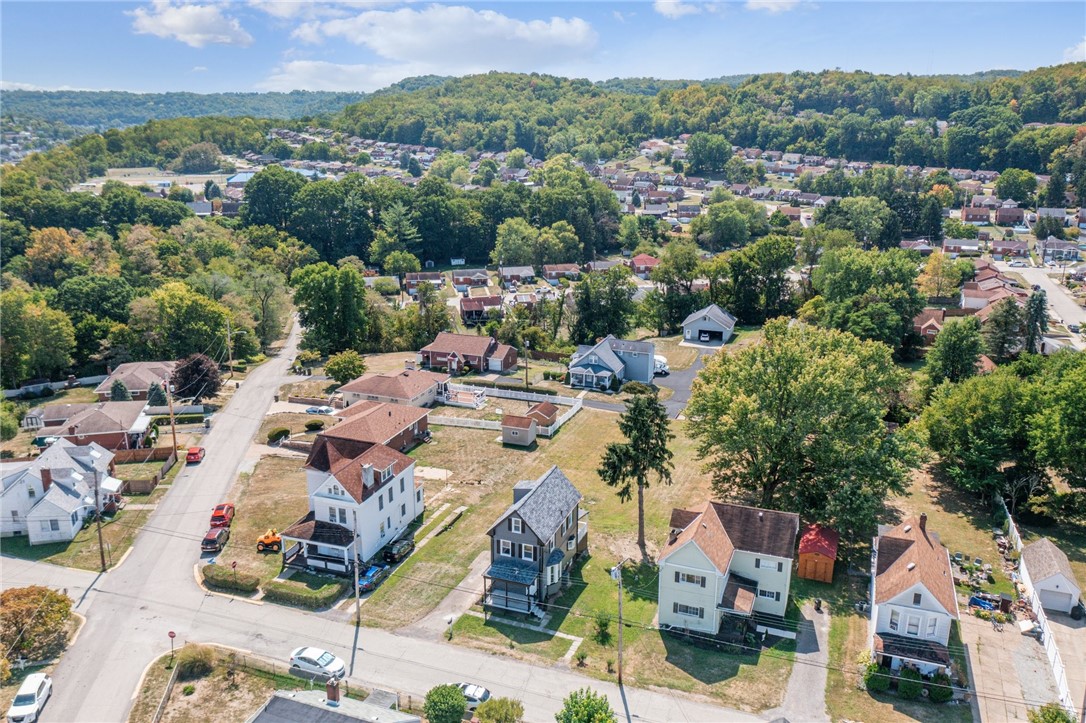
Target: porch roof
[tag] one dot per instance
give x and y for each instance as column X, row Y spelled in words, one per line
column 909, row 648
column 739, row 595
column 319, row 532
column 522, row 572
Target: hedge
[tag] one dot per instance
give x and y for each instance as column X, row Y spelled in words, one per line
column 290, row 593
column 178, row 419
column 314, row 424
column 223, row 578
column 940, row 691
column 278, row 433
column 909, row 684
column 876, row 679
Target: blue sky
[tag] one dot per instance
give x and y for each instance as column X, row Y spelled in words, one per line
column 246, row 45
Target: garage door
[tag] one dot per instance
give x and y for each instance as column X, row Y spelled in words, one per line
column 1053, row 600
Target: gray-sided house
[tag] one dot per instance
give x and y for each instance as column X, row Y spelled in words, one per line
column 533, row 544
column 518, row 430
column 711, row 325
column 595, row 367
column 1047, row 574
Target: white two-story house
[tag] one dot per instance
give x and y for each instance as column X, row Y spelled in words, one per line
column 725, row 560
column 361, row 498
column 913, row 600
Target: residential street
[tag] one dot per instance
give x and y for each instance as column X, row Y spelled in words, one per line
column 1060, row 304
column 131, row 609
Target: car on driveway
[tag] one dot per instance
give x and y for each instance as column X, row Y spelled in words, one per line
column 319, row 410
column 373, row 577
column 222, row 515
column 215, row 539
column 195, row 454
column 34, row 691
column 1018, row 264
column 314, row 661
column 474, row 695
column 398, row 550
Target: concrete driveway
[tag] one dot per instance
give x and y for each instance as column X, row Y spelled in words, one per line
column 1071, row 641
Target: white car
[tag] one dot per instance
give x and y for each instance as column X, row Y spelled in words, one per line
column 1018, row 264
column 474, row 695
column 319, row 410
column 315, row 661
column 35, row 690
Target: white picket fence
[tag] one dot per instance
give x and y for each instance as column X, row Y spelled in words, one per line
column 465, row 422
column 514, row 394
column 553, row 429
column 573, row 403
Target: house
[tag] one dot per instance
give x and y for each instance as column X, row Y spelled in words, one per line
column 367, row 423
column 1060, row 214
column 921, row 246
column 978, row 216
column 711, row 324
column 725, row 561
column 362, row 496
column 464, row 279
column 928, row 323
column 985, row 201
column 642, row 264
column 1054, row 249
column 461, row 352
column 289, row 706
column 544, row 413
column 961, row 246
column 658, row 210
column 612, row 361
column 533, row 544
column 792, row 213
column 51, row 415
column 1005, row 247
column 518, row 430
column 137, row 377
column 817, row 553
column 979, row 294
column 48, row 498
column 479, row 309
column 516, row 273
column 1009, row 216
column 1047, row 574
column 113, row 425
column 913, row 603
column 414, row 387
column 553, row 272
column 592, row 266
column 414, row 278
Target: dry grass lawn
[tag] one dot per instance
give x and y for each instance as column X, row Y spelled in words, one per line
column 118, row 533
column 678, row 357
column 391, row 362
column 311, row 388
column 494, row 409
column 294, row 421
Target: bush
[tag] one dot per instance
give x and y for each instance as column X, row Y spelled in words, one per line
column 1049, row 713
column 603, row 626
column 637, row 388
column 195, row 661
column 164, row 420
column 277, row 434
column 582, row 656
column 386, row 287
column 308, row 357
column 876, row 679
column 345, row 366
column 500, row 710
column 314, row 424
column 909, row 684
column 221, row 577
column 939, row 690
column 292, row 593
column 445, row 704
column 188, row 689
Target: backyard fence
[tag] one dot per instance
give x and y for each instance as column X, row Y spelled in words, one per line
column 37, row 389
column 553, row 429
column 465, row 422
column 514, row 394
column 574, row 404
column 154, row 454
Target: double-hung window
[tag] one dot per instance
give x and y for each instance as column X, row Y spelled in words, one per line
column 505, row 548
column 895, row 620
column 515, row 525
column 689, row 610
column 528, row 552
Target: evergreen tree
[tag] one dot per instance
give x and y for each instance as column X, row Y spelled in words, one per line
column 1003, row 331
column 1036, row 321
column 118, row 392
column 1055, row 189
column 930, row 223
column 156, row 395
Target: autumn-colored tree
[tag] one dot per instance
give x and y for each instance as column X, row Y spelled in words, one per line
column 33, row 622
column 50, row 250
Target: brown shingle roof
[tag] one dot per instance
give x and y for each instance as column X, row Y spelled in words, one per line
column 718, row 529
column 318, row 531
column 542, row 412
column 1043, row 560
column 502, row 351
column 100, row 418
column 407, row 384
column 138, row 376
column 909, row 555
column 517, row 422
column 349, row 472
column 462, row 344
column 374, row 422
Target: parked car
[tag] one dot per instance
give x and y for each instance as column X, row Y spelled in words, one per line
column 371, row 578
column 1018, row 264
column 703, row 336
column 270, row 540
column 319, row 410
column 660, row 367
column 195, row 454
column 315, row 661
column 474, row 695
column 222, row 515
column 34, row 691
column 215, row 539
column 398, row 550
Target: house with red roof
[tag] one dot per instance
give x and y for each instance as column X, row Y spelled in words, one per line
column 643, row 264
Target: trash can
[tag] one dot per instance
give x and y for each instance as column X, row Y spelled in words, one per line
column 1005, row 602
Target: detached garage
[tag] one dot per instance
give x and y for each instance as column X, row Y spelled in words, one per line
column 1047, row 574
column 711, row 325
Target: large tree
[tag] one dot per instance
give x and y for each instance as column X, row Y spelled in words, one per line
column 269, row 197
column 444, row 704
column 954, row 355
column 196, row 377
column 33, row 622
column 585, row 706
column 645, row 453
column 797, row 422
column 35, row 340
column 345, row 366
column 175, row 321
column 1057, row 425
column 1017, row 184
column 1003, row 331
column 332, row 307
column 1036, row 321
column 602, row 304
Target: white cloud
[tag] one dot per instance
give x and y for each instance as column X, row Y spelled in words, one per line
column 289, row 9
column 322, row 75
column 16, row 85
column 195, row 25
column 199, row 69
column 772, row 6
column 674, row 9
column 308, row 33
column 1076, row 53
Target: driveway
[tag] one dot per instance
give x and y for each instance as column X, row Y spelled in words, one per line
column 680, row 382
column 1071, row 641
column 805, row 696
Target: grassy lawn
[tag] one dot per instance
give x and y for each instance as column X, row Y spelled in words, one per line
column 493, row 410
column 139, row 470
column 20, row 444
column 118, row 533
column 391, row 362
column 496, row 637
column 314, row 388
column 294, row 421
column 678, row 357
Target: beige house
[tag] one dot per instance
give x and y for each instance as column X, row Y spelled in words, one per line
column 414, row 387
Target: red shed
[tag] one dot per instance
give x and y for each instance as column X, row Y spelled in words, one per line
column 817, row 552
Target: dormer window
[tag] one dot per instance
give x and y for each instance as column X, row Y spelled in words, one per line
column 515, row 525
column 386, row 473
column 31, row 492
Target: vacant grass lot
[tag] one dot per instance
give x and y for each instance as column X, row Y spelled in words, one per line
column 496, row 637
column 678, row 357
column 118, row 533
column 494, row 409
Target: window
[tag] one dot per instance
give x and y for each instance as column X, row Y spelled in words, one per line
column 569, row 543
column 74, row 517
column 692, row 579
column 331, row 514
column 932, row 624
column 342, row 515
column 390, row 491
column 780, row 567
column 31, row 492
column 418, row 496
column 15, row 514
column 513, row 433
column 895, row 620
column 914, row 625
column 515, row 525
column 401, row 486
column 689, row 610
column 386, row 474
column 382, row 529
column 569, row 520
column 757, row 563
column 505, row 548
column 403, row 509
column 44, row 525
column 528, row 552
column 54, row 525
column 917, row 597
column 389, row 521
column 767, row 594
column 380, row 502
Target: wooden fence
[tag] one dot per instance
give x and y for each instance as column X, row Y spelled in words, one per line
column 147, row 486
column 154, row 454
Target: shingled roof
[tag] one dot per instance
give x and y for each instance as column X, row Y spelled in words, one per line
column 462, row 344
column 374, row 422
column 138, row 376
column 547, row 503
column 718, row 529
column 406, row 384
column 1043, row 560
column 910, row 554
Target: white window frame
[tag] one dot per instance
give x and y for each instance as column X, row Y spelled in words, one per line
column 505, row 548
column 690, row 611
column 691, row 578
column 909, row 626
column 516, row 525
column 771, row 594
column 31, row 492
column 527, row 552
column 895, row 620
column 342, row 515
column 917, row 598
column 332, row 515
column 933, row 627
column 54, row 525
column 570, row 543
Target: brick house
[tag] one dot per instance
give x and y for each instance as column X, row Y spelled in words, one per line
column 457, row 352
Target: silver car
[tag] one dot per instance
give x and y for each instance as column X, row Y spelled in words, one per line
column 474, row 695
column 314, row 661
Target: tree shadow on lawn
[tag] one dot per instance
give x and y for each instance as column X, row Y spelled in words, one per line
column 710, row 661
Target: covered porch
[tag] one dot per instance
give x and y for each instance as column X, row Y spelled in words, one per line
column 312, row 544
column 590, row 377
column 735, row 608
column 511, row 584
column 900, row 651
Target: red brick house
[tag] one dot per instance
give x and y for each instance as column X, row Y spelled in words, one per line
column 477, row 309
column 928, row 323
column 460, row 352
column 1009, row 216
column 554, row 272
column 366, row 423
column 976, row 215
column 642, row 264
column 412, row 280
column 1003, row 247
column 137, row 377
column 113, row 425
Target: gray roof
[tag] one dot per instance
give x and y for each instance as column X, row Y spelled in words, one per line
column 605, row 352
column 511, row 569
column 715, row 314
column 61, row 455
column 290, row 706
column 69, row 499
column 517, row 270
column 543, row 509
column 1043, row 560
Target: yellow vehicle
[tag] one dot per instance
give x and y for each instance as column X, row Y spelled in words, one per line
column 270, row 540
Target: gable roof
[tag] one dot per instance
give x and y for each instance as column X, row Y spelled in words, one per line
column 138, row 376
column 100, row 418
column 930, row 315
column 348, row 472
column 406, row 384
column 644, row 260
column 1043, row 560
column 516, row 271
column 718, row 529
column 374, row 422
column 515, row 421
column 909, row 555
column 462, row 344
column 547, row 503
column 53, row 414
column 715, row 314
column 603, row 352
column 542, row 411
column 823, row 540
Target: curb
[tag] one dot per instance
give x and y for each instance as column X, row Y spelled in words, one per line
column 200, row 583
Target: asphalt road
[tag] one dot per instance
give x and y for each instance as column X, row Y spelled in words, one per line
column 680, row 381
column 131, row 609
column 1061, row 306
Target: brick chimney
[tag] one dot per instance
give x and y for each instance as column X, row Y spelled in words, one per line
column 367, row 475
column 71, row 430
column 924, row 522
column 331, row 692
column 46, row 479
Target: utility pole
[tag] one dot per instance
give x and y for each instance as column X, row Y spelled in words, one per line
column 229, row 348
column 357, row 594
column 527, row 345
column 616, row 574
column 173, row 424
column 98, row 520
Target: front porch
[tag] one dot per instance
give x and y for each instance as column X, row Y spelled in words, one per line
column 311, row 544
column 511, row 584
column 899, row 651
column 590, row 379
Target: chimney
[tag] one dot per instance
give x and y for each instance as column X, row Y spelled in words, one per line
column 367, row 475
column 924, row 522
column 71, row 431
column 46, row 479
column 331, row 692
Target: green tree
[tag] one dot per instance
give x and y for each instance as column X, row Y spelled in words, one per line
column 644, row 453
column 332, row 307
column 941, row 276
column 156, row 395
column 399, row 263
column 1044, row 227
column 396, row 220
column 516, row 158
column 1057, row 426
column 445, row 704
column 414, row 168
column 602, row 304
column 211, row 190
column 175, row 321
column 433, row 312
column 96, row 295
column 1056, row 188
column 37, row 341
column 196, row 377
column 954, row 228
column 345, row 366
column 516, row 243
column 500, row 710
column 1017, row 184
column 585, row 706
column 33, row 622
column 1036, row 321
column 954, row 355
column 930, row 223
column 269, row 197
column 180, row 194
column 198, row 158
column 708, row 152
column 797, row 422
column 1003, row 332
column 1049, row 713
column 119, row 392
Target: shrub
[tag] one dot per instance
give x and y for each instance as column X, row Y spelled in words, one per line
column 603, row 626
column 582, row 656
column 1049, row 713
column 637, row 388
column 195, row 661
column 910, row 684
column 306, row 357
column 500, row 710
column 876, row 679
column 221, row 577
column 585, row 705
column 314, row 424
column 345, row 366
column 188, row 689
column 939, row 690
column 445, row 704
column 386, row 287
column 277, row 434
column 292, row 593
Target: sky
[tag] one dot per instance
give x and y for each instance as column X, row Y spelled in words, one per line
column 362, row 45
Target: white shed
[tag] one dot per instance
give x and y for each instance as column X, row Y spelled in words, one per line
column 709, row 325
column 1047, row 574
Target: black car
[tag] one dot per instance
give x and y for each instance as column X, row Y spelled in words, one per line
column 398, row 550
column 215, row 539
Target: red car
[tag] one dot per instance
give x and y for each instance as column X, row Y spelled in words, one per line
column 195, row 454
column 222, row 515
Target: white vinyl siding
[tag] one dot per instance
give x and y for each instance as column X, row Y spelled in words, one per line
column 689, row 610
